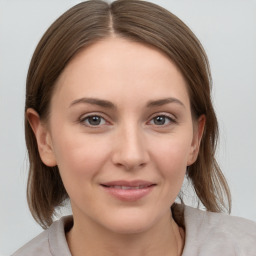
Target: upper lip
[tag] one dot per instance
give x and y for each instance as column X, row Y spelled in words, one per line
column 125, row 183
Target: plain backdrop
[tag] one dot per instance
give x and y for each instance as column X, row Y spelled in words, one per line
column 227, row 29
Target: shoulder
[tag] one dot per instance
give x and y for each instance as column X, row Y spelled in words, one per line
column 38, row 245
column 210, row 233
column 50, row 242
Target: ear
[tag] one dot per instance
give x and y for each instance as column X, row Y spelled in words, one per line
column 43, row 138
column 199, row 125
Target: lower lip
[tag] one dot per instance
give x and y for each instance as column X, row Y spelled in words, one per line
column 129, row 194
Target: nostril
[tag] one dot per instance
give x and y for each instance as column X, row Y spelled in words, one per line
column 130, row 155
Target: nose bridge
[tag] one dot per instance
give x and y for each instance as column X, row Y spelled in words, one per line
column 130, row 150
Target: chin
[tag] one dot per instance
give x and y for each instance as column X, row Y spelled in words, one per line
column 130, row 222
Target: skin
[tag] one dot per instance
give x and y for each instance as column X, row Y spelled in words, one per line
column 127, row 143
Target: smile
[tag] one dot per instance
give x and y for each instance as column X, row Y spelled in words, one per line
column 127, row 187
column 128, row 190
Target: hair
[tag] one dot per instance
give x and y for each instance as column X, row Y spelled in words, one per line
column 135, row 20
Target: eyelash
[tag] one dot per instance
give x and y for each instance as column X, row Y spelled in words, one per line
column 86, row 118
column 167, row 117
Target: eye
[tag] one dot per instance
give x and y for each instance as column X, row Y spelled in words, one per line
column 161, row 120
column 93, row 120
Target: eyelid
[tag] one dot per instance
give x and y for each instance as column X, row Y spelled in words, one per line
column 91, row 114
column 81, row 119
column 172, row 118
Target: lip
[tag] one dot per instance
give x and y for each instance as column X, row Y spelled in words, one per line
column 128, row 190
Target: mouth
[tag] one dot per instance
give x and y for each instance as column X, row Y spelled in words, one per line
column 128, row 187
column 128, row 190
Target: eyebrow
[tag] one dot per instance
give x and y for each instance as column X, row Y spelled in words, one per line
column 94, row 101
column 161, row 102
column 109, row 104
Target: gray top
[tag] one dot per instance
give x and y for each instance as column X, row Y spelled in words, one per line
column 207, row 234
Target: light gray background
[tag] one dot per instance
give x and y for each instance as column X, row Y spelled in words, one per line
column 226, row 28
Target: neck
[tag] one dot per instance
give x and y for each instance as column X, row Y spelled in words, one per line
column 163, row 239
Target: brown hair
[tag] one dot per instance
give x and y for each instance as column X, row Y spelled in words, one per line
column 134, row 20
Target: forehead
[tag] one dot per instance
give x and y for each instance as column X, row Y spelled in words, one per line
column 114, row 67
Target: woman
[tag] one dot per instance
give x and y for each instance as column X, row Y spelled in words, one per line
column 118, row 111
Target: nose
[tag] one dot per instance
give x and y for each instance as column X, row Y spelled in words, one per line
column 130, row 151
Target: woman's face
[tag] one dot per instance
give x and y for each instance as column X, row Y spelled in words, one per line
column 122, row 135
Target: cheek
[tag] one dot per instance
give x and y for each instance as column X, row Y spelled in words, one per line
column 79, row 157
column 171, row 156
